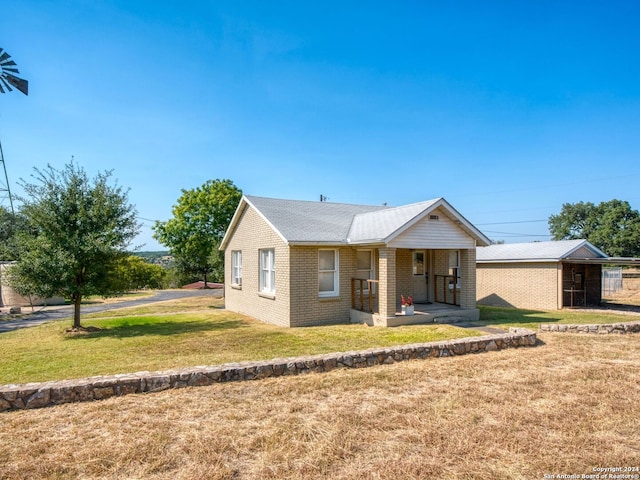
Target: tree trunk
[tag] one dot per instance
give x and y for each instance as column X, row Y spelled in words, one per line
column 205, row 280
column 77, row 299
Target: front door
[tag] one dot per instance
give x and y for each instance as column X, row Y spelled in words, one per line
column 419, row 272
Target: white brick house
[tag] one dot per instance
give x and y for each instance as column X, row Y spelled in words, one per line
column 298, row 263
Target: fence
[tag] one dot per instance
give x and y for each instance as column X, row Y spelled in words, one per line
column 611, row 280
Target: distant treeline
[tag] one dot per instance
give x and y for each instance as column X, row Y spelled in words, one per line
column 159, row 257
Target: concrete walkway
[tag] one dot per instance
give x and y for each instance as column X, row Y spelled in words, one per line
column 52, row 313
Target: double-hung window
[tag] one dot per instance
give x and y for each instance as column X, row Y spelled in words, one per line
column 236, row 267
column 268, row 271
column 328, row 273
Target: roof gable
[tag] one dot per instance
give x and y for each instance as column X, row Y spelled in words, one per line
column 379, row 225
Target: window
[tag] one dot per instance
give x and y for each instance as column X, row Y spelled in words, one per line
column 328, row 276
column 268, row 271
column 418, row 262
column 364, row 266
column 454, row 266
column 236, row 267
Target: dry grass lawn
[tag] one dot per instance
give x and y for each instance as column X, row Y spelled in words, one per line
column 564, row 407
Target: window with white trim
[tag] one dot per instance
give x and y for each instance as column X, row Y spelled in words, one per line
column 328, row 273
column 236, row 267
column 268, row 271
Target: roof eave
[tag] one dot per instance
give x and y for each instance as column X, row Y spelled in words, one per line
column 234, row 222
column 316, row 243
column 521, row 260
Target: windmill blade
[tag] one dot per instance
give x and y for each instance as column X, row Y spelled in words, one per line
column 7, row 78
column 19, row 83
column 6, row 85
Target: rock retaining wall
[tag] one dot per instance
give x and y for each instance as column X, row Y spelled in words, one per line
column 37, row 395
column 598, row 329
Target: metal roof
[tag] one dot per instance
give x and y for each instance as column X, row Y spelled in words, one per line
column 553, row 251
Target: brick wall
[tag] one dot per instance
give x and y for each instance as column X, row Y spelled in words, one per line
column 307, row 307
column 387, row 275
column 251, row 235
column 404, row 273
column 523, row 285
column 468, row 278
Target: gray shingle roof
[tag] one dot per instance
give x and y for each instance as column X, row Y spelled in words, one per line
column 310, row 222
column 306, row 221
column 535, row 251
column 379, row 225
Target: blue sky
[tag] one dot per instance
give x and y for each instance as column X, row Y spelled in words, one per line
column 506, row 109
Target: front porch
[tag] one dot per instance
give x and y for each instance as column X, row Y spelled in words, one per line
column 441, row 283
column 423, row 313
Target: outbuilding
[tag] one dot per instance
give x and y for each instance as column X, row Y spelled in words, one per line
column 542, row 275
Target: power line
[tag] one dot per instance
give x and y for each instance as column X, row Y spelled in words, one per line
column 147, row 219
column 513, row 234
column 511, row 223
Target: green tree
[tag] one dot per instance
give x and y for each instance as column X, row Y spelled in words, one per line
column 80, row 228
column 200, row 219
column 613, row 226
column 133, row 273
column 10, row 226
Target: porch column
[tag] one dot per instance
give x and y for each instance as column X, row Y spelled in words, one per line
column 387, row 278
column 468, row 278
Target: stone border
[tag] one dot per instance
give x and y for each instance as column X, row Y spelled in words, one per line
column 596, row 329
column 38, row 395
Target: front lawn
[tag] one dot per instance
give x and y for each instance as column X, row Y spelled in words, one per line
column 166, row 340
column 503, row 317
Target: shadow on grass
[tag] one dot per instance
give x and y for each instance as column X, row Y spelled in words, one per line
column 506, row 316
column 131, row 329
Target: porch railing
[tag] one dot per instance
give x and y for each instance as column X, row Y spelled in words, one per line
column 359, row 294
column 447, row 289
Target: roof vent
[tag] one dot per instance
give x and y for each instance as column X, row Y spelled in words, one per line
column 433, row 217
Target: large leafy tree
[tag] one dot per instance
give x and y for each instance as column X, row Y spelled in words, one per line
column 79, row 230
column 200, row 219
column 613, row 226
column 10, row 225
